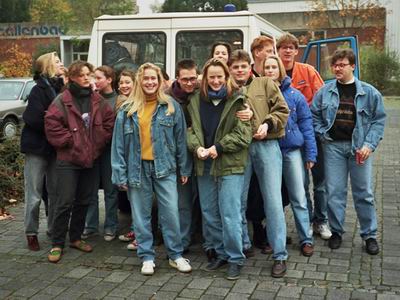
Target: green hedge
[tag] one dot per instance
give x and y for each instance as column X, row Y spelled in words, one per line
column 381, row 68
column 11, row 171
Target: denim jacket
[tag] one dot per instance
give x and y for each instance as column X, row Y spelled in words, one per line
column 370, row 114
column 168, row 135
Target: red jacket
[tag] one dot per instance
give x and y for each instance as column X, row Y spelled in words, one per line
column 66, row 131
column 307, row 80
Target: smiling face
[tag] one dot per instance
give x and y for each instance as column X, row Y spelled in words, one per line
column 221, row 52
column 125, row 85
column 271, row 68
column 150, row 82
column 187, row 80
column 84, row 78
column 216, row 78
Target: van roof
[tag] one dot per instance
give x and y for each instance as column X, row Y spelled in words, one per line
column 177, row 15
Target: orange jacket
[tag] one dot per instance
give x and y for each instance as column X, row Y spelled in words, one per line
column 307, row 80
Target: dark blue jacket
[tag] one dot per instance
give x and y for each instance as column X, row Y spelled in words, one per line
column 33, row 138
column 299, row 131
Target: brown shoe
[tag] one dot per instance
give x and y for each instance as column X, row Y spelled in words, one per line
column 33, row 243
column 278, row 269
column 267, row 249
column 307, row 249
column 82, row 246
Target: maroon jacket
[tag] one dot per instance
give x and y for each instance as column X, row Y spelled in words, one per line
column 66, row 131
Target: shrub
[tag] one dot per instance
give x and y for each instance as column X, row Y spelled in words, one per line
column 11, row 171
column 381, row 68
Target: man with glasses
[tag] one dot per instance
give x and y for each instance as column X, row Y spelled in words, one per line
column 349, row 120
column 184, row 86
column 308, row 81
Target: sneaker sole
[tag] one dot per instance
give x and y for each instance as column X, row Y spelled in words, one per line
column 172, row 264
column 233, row 277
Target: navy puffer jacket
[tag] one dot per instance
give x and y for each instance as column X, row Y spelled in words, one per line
column 299, row 131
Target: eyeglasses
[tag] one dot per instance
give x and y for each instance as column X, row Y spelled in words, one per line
column 192, row 80
column 340, row 66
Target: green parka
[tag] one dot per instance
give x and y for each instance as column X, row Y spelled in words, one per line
column 233, row 135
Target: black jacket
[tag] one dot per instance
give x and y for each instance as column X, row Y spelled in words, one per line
column 33, row 138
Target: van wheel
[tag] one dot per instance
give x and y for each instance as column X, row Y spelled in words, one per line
column 9, row 128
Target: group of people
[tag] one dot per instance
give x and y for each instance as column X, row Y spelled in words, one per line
column 241, row 138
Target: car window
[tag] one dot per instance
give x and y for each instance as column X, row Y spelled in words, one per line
column 28, row 87
column 10, row 90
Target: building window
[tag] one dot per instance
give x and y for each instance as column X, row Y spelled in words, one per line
column 80, row 50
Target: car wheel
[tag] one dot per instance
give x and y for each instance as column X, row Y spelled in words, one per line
column 9, row 128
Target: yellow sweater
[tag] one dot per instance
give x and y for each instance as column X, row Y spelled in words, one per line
column 145, row 117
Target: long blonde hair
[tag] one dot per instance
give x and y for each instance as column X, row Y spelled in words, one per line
column 137, row 99
column 46, row 64
column 231, row 86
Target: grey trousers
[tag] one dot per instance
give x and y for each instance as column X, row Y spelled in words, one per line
column 37, row 169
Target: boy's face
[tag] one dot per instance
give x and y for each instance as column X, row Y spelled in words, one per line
column 287, row 52
column 240, row 71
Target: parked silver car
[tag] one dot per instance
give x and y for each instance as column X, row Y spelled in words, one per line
column 13, row 95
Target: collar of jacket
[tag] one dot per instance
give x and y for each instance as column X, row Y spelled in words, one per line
column 359, row 89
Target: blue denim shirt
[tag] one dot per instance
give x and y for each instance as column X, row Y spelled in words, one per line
column 168, row 135
column 370, row 114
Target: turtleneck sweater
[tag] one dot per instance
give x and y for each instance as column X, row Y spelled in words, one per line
column 145, row 117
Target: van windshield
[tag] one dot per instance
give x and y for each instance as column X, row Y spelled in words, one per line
column 197, row 44
column 130, row 50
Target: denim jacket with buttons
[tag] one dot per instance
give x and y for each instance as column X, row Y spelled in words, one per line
column 168, row 135
column 370, row 114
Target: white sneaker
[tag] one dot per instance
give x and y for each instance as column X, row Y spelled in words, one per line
column 323, row 230
column 109, row 237
column 182, row 264
column 148, row 267
column 132, row 245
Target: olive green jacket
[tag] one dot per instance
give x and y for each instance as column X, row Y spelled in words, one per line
column 233, row 135
column 268, row 105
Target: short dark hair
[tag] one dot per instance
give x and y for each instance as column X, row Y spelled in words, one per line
column 185, row 64
column 343, row 53
column 108, row 72
column 239, row 55
column 225, row 44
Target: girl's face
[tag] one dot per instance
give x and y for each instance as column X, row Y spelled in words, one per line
column 216, row 77
column 101, row 81
column 59, row 66
column 221, row 52
column 150, row 83
column 125, row 85
column 271, row 68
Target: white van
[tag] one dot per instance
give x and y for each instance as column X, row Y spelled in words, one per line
column 163, row 39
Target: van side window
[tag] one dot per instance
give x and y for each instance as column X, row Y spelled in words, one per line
column 197, row 44
column 130, row 50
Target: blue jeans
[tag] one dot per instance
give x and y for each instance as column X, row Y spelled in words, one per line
column 293, row 174
column 339, row 163
column 38, row 169
column 186, row 197
column 221, row 208
column 265, row 158
column 317, row 212
column 141, row 199
column 103, row 174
